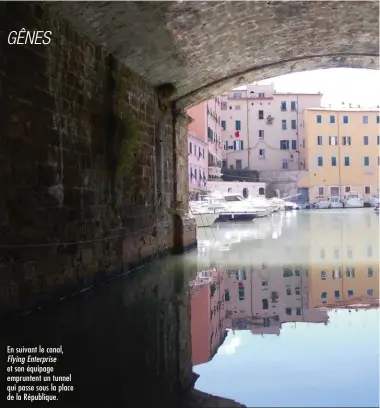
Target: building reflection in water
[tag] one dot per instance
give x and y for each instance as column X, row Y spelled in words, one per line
column 337, row 268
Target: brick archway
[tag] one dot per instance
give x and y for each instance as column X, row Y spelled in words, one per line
column 205, row 48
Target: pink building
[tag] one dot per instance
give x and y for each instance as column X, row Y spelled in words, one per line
column 263, row 129
column 198, row 163
column 207, row 125
column 262, row 299
column 208, row 323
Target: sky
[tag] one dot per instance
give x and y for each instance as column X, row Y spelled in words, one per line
column 348, row 85
column 308, row 365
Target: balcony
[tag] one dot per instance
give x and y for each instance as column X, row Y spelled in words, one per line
column 214, row 171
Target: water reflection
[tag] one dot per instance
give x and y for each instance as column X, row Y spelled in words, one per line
column 314, row 271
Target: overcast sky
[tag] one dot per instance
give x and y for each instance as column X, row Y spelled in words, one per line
column 355, row 86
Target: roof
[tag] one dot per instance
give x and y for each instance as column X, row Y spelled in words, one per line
column 344, row 109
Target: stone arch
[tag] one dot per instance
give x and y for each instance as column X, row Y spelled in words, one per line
column 206, row 48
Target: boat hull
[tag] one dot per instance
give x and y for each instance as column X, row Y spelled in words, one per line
column 236, row 217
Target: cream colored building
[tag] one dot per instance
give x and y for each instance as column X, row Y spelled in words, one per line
column 262, row 129
column 342, row 152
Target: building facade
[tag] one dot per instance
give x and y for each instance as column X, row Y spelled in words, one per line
column 342, row 152
column 207, row 126
column 198, row 163
column 262, row 129
column 208, row 323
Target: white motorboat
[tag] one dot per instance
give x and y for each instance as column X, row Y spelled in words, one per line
column 353, row 200
column 263, row 203
column 227, row 207
column 377, row 210
column 331, row 202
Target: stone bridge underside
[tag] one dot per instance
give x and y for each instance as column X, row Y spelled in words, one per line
column 207, row 47
column 70, row 111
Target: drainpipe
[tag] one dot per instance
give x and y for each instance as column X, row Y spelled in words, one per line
column 248, row 150
column 298, row 136
column 339, row 155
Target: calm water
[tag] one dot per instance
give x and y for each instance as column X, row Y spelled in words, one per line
column 282, row 311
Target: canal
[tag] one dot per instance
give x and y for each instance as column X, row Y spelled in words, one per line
column 281, row 311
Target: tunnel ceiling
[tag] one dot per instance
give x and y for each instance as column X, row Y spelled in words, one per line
column 205, row 48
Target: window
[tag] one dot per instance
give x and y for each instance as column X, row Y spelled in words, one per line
column 378, row 140
column 297, row 271
column 191, row 173
column 350, row 253
column 261, row 95
column 287, row 273
column 190, row 148
column 370, row 273
column 345, row 119
column 225, row 145
column 346, row 161
column 236, row 95
column 350, row 293
column 284, row 144
column 320, row 161
column 324, row 295
column 346, row 140
column 237, row 125
column 336, row 253
column 237, row 107
column 262, row 192
column 288, row 311
column 332, row 119
column 264, row 283
column 337, row 294
column 321, row 191
column 227, row 295
column 369, row 251
column 298, row 311
column 223, row 124
column 283, row 106
column 261, row 153
column 366, row 160
column 367, row 190
column 285, row 164
column 238, row 165
column 350, row 272
column 261, row 134
column 333, row 161
column 365, row 140
column 294, row 124
column 369, row 292
column 323, row 275
column 365, row 120
column 319, row 118
column 265, row 303
column 294, row 144
column 293, row 105
column 319, row 140
column 261, row 114
column 210, row 134
column 288, row 291
column 223, row 106
column 283, row 124
column 377, row 119
column 238, row 145
column 195, row 150
column 241, row 292
column 224, row 164
column 333, row 140
column 195, row 174
column 297, row 290
column 347, row 189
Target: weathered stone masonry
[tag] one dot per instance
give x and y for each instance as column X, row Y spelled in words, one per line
column 61, row 106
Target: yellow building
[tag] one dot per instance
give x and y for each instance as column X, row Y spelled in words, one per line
column 341, row 149
column 344, row 264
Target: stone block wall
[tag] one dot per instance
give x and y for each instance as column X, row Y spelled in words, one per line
column 62, row 107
